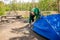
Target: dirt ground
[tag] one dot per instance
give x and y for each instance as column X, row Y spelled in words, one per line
column 17, row 31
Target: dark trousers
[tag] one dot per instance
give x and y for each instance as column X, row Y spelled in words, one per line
column 31, row 18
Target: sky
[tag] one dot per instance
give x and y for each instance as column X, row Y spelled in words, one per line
column 8, row 1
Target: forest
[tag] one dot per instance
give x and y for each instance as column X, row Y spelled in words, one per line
column 43, row 5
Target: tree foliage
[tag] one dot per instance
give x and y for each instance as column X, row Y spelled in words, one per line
column 2, row 8
column 48, row 5
column 44, row 5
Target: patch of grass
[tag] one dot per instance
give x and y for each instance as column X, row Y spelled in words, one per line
column 46, row 13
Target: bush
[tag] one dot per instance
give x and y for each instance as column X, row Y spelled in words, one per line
column 2, row 11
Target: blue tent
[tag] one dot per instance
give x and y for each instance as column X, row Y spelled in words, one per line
column 48, row 26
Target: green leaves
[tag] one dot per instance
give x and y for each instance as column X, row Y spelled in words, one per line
column 44, row 5
column 2, row 8
column 48, row 5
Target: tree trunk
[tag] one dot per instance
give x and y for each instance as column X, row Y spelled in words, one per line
column 58, row 3
column 59, row 6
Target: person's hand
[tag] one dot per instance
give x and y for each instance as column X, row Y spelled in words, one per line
column 32, row 13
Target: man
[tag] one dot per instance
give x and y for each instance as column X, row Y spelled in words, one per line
column 34, row 13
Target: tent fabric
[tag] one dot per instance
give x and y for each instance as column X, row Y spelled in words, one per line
column 48, row 26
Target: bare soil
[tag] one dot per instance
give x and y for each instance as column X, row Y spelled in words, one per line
column 17, row 31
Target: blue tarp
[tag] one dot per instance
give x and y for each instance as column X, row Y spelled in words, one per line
column 48, row 26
